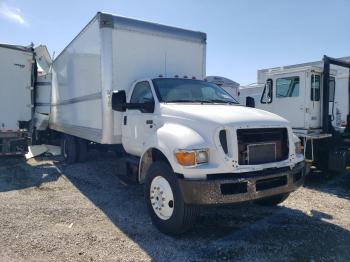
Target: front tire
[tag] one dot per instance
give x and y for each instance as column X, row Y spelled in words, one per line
column 273, row 200
column 168, row 211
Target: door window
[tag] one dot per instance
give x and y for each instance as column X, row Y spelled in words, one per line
column 315, row 87
column 142, row 93
column 287, row 87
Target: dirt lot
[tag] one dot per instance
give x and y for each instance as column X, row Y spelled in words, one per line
column 85, row 212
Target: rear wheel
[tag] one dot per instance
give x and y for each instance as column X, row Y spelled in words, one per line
column 168, row 211
column 273, row 200
column 69, row 148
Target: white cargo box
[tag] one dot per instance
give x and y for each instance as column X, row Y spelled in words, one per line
column 110, row 53
column 16, row 87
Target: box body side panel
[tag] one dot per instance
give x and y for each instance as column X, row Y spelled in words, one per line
column 76, row 106
column 15, row 88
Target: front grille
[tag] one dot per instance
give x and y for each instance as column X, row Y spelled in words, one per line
column 262, row 145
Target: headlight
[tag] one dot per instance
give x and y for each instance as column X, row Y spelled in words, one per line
column 192, row 157
column 299, row 149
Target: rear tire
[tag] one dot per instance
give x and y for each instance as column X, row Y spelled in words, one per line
column 162, row 191
column 273, row 200
column 82, row 146
column 69, row 148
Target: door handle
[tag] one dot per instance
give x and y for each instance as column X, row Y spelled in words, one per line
column 149, row 122
column 125, row 121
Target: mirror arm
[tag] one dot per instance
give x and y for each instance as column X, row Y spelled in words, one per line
column 132, row 106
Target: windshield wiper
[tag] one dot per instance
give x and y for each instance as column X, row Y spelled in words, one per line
column 210, row 101
column 187, row 101
column 222, row 101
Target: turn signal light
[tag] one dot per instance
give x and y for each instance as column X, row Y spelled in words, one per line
column 186, row 158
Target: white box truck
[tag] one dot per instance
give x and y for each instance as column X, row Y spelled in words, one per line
column 17, row 74
column 18, row 95
column 140, row 85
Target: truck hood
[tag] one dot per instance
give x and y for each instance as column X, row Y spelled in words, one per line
column 230, row 115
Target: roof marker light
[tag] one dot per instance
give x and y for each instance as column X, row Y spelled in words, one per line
column 194, row 78
column 160, row 75
column 176, row 76
column 186, row 77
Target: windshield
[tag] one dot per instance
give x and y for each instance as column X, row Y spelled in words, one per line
column 173, row 90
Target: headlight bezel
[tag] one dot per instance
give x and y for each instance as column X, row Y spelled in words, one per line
column 190, row 158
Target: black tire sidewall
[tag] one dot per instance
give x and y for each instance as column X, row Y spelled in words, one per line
column 69, row 146
column 175, row 224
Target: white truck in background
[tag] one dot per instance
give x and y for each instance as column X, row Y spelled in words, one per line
column 18, row 91
column 227, row 84
column 315, row 99
column 139, row 84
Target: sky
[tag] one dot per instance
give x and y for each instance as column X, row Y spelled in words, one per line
column 242, row 35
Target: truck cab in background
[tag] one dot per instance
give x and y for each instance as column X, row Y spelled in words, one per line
column 301, row 95
column 228, row 85
column 296, row 95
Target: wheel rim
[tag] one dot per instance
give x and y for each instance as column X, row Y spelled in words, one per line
column 162, row 198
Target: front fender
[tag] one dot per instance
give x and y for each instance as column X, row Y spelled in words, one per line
column 171, row 137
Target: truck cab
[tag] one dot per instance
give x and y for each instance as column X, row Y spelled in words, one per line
column 300, row 89
column 308, row 97
column 197, row 146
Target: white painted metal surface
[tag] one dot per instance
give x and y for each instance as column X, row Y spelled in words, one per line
column 115, row 53
column 110, row 54
column 312, row 118
column 15, row 87
column 253, row 90
column 228, row 85
column 196, row 126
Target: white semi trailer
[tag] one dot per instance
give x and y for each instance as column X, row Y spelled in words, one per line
column 139, row 84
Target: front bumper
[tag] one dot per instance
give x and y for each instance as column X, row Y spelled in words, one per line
column 235, row 188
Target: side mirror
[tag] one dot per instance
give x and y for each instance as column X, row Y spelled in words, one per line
column 249, row 101
column 147, row 107
column 119, row 101
column 266, row 97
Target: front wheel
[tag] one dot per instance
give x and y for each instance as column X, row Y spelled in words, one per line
column 168, row 211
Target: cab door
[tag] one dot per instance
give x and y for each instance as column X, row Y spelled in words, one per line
column 289, row 98
column 138, row 124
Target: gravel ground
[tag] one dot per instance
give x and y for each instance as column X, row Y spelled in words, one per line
column 86, row 212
